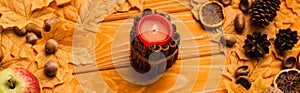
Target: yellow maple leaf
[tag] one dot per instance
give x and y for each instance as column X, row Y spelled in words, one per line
column 16, row 63
column 61, row 31
column 21, row 12
column 14, row 48
column 41, row 59
column 136, row 3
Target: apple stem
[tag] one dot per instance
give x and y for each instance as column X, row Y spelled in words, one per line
column 11, row 84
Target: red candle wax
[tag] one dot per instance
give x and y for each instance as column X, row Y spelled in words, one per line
column 154, row 29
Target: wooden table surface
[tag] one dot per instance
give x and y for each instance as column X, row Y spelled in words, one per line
column 211, row 60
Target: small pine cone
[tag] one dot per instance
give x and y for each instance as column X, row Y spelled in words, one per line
column 263, row 12
column 285, row 39
column 256, row 45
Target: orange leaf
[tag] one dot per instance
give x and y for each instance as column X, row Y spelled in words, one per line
column 21, row 12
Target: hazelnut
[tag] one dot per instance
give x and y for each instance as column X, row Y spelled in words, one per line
column 244, row 81
column 51, row 46
column 228, row 40
column 239, row 23
column 35, row 29
column 289, row 62
column 50, row 68
column 31, row 38
column 49, row 22
column 242, row 71
column 19, row 32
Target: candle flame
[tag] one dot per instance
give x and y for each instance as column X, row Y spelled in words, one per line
column 155, row 29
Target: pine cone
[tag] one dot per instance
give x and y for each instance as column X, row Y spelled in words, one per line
column 256, row 45
column 285, row 39
column 263, row 12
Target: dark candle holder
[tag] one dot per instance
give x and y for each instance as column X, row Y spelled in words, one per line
column 142, row 56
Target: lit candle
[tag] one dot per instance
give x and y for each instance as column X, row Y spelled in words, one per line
column 154, row 29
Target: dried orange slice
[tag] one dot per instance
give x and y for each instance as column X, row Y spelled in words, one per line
column 211, row 14
column 288, row 81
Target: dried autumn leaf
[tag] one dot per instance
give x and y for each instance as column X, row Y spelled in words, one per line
column 136, row 3
column 294, row 5
column 94, row 12
column 256, row 87
column 14, row 46
column 21, row 12
column 284, row 16
column 70, row 84
column 62, row 61
column 17, row 63
column 231, row 87
column 60, row 2
column 196, row 6
column 37, row 4
column 124, row 7
column 62, row 31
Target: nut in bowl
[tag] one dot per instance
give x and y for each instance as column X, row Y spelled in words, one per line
column 212, row 14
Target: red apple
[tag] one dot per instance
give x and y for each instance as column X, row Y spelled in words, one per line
column 18, row 80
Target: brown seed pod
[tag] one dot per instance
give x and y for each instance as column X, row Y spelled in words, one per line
column 35, row 29
column 19, row 32
column 228, row 40
column 242, row 71
column 239, row 23
column 289, row 62
column 244, row 81
column 48, row 23
column 50, row 68
column 51, row 46
column 31, row 38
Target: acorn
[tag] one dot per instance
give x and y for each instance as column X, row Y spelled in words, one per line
column 244, row 81
column 242, row 71
column 31, row 38
column 50, row 68
column 289, row 62
column 239, row 23
column 228, row 40
column 51, row 46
